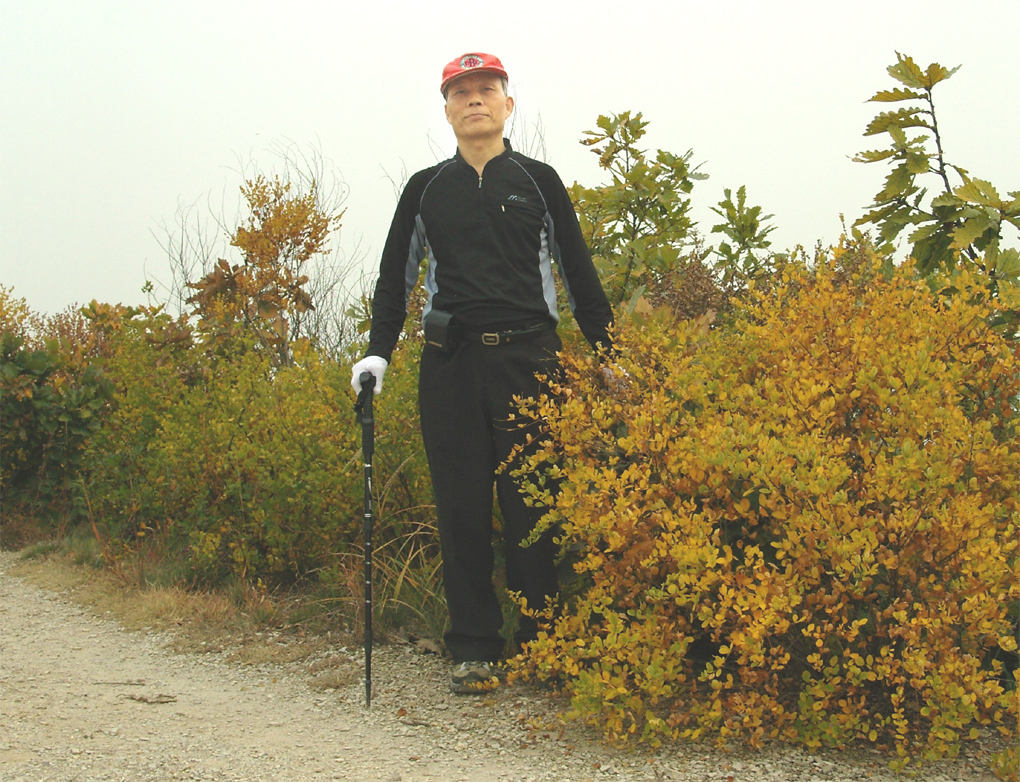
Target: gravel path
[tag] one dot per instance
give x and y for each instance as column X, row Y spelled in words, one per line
column 82, row 699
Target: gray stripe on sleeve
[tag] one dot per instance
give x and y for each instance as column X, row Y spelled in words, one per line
column 545, row 266
column 415, row 253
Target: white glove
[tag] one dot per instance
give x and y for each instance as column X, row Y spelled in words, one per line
column 374, row 364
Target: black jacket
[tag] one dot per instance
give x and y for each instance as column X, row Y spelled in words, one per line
column 489, row 241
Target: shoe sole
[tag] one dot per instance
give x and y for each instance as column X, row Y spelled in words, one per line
column 477, row 687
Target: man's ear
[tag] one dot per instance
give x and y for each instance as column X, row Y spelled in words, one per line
column 446, row 110
column 509, row 105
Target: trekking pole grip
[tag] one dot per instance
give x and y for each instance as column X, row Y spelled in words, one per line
column 367, row 381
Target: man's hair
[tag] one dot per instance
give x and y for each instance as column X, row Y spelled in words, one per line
column 504, row 82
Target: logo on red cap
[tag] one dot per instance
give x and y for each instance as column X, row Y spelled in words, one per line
column 471, row 61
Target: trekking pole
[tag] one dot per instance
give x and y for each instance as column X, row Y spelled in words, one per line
column 364, row 409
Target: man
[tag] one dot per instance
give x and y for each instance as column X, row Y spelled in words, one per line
column 489, row 221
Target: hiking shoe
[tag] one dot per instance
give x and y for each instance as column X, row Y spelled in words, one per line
column 470, row 677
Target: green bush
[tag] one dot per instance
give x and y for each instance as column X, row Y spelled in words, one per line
column 260, row 467
column 247, row 467
column 151, row 361
column 53, row 401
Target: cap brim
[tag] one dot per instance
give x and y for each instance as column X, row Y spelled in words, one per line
column 482, row 69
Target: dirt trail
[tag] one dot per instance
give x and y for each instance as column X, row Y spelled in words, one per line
column 82, row 699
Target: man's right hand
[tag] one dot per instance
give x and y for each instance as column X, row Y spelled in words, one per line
column 376, row 365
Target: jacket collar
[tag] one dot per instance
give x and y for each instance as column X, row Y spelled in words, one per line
column 507, row 149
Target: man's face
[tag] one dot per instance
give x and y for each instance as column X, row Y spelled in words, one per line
column 476, row 106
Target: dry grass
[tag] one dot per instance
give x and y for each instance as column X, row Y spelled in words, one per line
column 105, row 593
column 248, row 625
column 150, row 588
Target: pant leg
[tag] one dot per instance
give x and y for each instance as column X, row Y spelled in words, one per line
column 530, row 570
column 458, row 444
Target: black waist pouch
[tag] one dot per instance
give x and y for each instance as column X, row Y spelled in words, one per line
column 441, row 330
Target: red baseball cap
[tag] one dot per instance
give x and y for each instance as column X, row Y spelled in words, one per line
column 473, row 61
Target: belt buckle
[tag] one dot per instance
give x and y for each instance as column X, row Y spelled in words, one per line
column 490, row 338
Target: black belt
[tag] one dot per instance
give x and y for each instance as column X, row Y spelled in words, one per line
column 511, row 335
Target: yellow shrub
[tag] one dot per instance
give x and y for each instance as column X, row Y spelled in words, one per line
column 803, row 528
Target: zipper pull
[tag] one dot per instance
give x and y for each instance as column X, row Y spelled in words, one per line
column 479, row 182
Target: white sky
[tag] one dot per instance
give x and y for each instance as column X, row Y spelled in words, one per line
column 114, row 112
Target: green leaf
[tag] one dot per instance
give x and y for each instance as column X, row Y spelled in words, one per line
column 924, row 231
column 890, row 96
column 947, row 199
column 917, row 161
column 898, row 182
column 933, row 252
column 890, row 227
column 899, row 138
column 907, row 72
column 965, row 235
column 937, row 73
column 902, row 118
column 963, row 173
column 978, row 191
column 876, row 216
column 873, row 156
column 1007, row 266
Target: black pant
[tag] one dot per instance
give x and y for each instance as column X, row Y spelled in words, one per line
column 465, row 399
